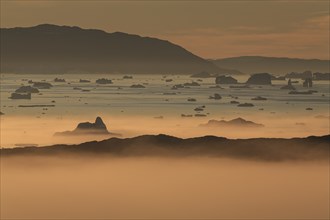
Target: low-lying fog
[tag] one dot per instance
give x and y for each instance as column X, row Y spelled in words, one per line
column 26, row 130
column 190, row 188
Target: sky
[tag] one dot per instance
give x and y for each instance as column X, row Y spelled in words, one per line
column 210, row 29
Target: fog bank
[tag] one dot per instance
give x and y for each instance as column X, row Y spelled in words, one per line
column 91, row 188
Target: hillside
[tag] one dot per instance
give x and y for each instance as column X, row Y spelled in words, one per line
column 265, row 149
column 275, row 65
column 59, row 49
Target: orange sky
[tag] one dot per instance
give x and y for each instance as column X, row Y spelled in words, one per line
column 211, row 29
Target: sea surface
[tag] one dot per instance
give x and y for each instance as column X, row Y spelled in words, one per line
column 99, row 187
column 149, row 110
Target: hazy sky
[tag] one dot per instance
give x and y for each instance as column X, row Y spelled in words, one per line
column 211, row 29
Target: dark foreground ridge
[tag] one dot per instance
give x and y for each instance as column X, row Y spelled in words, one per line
column 264, row 149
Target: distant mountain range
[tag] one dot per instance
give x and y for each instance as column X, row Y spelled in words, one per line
column 265, row 149
column 59, row 49
column 274, row 65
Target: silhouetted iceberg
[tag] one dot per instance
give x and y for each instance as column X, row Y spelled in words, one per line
column 20, row 96
column 103, row 81
column 308, row 83
column 216, row 96
column 88, row 128
column 127, row 77
column 192, row 84
column 32, row 106
column 289, row 86
column 186, row 116
column 59, row 80
column 199, row 108
column 225, row 80
column 137, row 86
column 237, row 122
column 245, row 105
column 42, row 85
column 260, row 79
column 27, row 89
column 259, row 98
column 178, row 86
column 84, row 81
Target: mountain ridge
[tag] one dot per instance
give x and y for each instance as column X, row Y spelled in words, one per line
column 275, row 65
column 49, row 48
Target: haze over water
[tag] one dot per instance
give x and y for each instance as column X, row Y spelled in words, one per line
column 125, row 110
column 184, row 188
column 96, row 186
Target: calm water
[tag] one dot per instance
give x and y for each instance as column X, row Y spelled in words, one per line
column 132, row 111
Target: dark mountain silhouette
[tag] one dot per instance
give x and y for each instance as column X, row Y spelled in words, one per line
column 265, row 149
column 58, row 49
column 276, row 65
